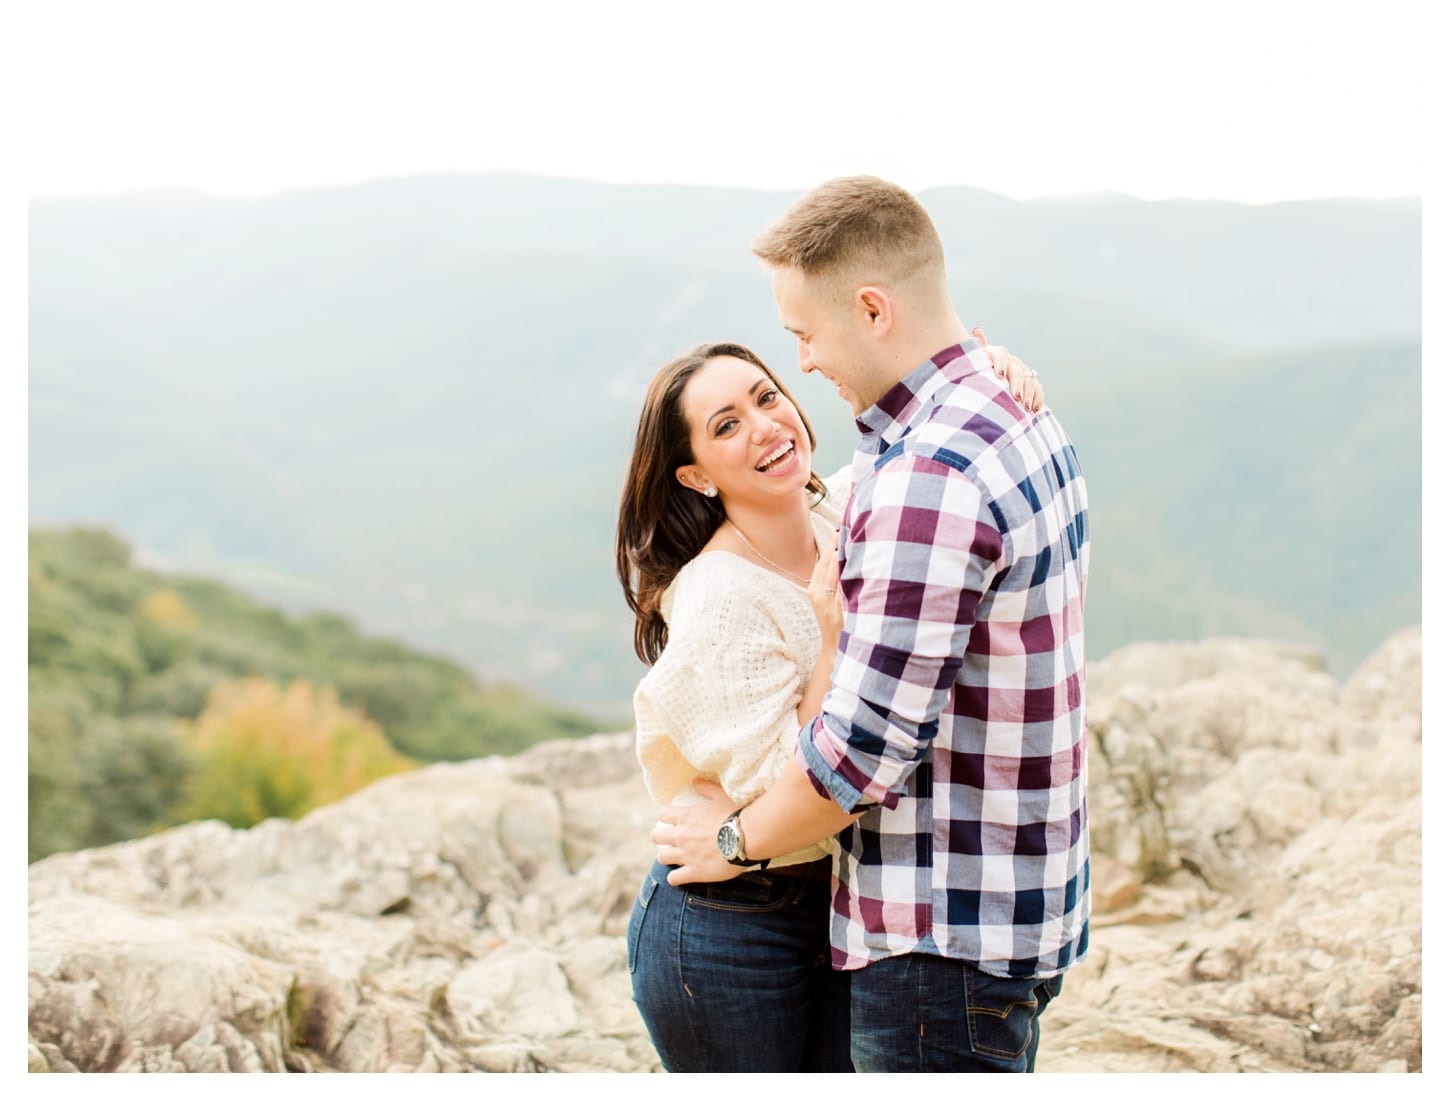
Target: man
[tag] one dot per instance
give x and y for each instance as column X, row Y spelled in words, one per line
column 949, row 753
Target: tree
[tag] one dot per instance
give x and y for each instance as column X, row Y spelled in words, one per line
column 264, row 751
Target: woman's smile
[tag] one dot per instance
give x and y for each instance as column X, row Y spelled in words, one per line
column 781, row 459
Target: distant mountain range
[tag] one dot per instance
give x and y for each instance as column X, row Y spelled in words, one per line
column 412, row 400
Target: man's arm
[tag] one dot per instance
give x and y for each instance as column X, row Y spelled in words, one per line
column 919, row 557
column 787, row 818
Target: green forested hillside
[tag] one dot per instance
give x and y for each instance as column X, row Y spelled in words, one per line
column 155, row 699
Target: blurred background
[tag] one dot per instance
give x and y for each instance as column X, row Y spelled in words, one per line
column 339, row 319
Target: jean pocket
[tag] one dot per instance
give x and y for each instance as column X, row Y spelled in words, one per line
column 636, row 920
column 1000, row 1014
column 750, row 893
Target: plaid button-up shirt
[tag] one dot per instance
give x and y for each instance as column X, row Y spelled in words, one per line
column 956, row 709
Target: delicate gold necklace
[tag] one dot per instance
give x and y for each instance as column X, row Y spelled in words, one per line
column 806, row 581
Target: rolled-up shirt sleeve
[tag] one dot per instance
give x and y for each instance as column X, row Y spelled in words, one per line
column 919, row 547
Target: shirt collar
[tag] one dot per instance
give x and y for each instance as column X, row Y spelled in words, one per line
column 905, row 404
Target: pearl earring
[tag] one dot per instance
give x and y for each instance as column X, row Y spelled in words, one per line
column 709, row 491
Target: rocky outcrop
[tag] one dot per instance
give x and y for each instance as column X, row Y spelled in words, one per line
column 1256, row 886
column 464, row 916
column 1256, row 864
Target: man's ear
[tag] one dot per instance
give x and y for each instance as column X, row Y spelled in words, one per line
column 875, row 305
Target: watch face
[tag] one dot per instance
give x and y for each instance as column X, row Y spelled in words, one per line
column 728, row 841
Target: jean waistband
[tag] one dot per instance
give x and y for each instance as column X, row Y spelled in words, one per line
column 817, row 871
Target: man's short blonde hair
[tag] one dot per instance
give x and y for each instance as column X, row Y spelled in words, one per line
column 855, row 225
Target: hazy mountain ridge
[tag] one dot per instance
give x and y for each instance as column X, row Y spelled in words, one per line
column 1199, row 263
column 413, row 399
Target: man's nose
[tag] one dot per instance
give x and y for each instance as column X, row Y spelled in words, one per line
column 803, row 357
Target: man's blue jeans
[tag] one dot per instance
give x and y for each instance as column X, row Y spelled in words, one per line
column 929, row 1013
column 737, row 976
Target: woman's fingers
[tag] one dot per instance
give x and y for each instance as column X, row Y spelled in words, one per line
column 826, row 573
column 1014, row 374
column 1022, row 382
column 1001, row 359
column 824, row 591
column 1021, row 379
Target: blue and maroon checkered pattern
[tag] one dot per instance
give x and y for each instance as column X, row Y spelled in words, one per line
column 956, row 709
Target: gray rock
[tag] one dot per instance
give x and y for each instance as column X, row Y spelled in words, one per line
column 1256, row 835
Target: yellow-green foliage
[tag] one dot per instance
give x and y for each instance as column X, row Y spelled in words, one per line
column 165, row 607
column 119, row 654
column 264, row 751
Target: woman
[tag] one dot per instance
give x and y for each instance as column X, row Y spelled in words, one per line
column 726, row 549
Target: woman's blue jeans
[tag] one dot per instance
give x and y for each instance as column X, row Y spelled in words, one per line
column 737, row 976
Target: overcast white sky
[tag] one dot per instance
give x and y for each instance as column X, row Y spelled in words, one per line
column 1249, row 101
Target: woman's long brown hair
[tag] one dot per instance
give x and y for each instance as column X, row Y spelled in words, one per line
column 662, row 525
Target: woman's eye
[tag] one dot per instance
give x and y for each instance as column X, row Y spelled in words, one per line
column 769, row 396
column 724, row 426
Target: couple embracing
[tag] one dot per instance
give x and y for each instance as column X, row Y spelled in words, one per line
column 863, row 717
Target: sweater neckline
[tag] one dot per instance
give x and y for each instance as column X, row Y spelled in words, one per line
column 819, row 526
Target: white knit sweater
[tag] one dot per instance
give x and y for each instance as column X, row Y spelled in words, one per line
column 720, row 703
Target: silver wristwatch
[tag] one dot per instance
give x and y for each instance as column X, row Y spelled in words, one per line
column 731, row 843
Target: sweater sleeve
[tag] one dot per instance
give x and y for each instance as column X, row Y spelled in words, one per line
column 721, row 700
